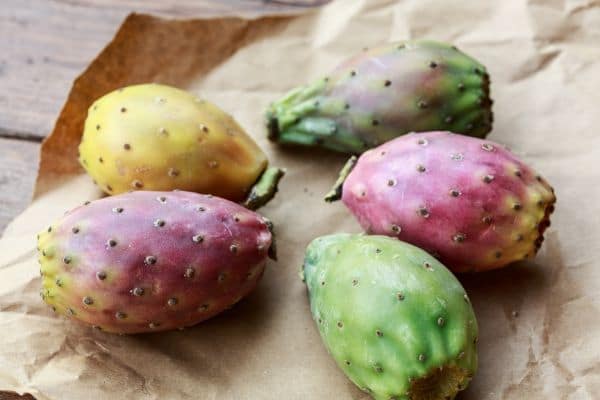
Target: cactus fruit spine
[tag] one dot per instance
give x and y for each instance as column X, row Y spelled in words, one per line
column 395, row 320
column 156, row 137
column 151, row 261
column 468, row 201
column 383, row 93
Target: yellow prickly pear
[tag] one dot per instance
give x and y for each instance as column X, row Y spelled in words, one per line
column 157, row 137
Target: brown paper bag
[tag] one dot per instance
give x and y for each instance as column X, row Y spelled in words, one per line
column 539, row 321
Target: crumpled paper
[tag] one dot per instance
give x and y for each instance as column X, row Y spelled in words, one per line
column 539, row 321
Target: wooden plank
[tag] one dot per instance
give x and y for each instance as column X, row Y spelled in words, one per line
column 47, row 43
column 18, row 167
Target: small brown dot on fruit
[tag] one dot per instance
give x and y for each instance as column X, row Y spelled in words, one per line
column 400, row 296
column 120, row 315
column 421, row 168
column 454, row 192
column 137, row 291
column 118, row 210
column 422, row 357
column 459, row 237
column 127, row 146
column 123, row 109
column 172, row 301
column 173, row 172
column 67, row 260
column 423, row 212
column 354, row 282
column 379, row 333
column 441, row 321
column 75, row 230
column 137, row 184
column 88, row 301
column 487, row 147
column 391, row 182
column 189, row 273
column 234, row 248
column 159, row 223
column 422, row 142
column 396, row 229
column 517, row 206
column 340, row 324
column 197, row 238
column 488, row 178
column 150, row 260
column 387, row 83
column 433, row 64
column 101, row 275
column 111, row 242
column 422, row 104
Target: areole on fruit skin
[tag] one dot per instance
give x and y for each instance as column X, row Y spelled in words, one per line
column 157, row 137
column 469, row 202
column 395, row 320
column 385, row 92
column 151, row 261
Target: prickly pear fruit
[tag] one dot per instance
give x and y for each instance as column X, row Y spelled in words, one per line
column 383, row 93
column 152, row 261
column 468, row 201
column 156, row 137
column 395, row 320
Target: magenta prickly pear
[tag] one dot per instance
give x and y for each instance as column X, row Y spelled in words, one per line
column 383, row 93
column 468, row 201
column 151, row 261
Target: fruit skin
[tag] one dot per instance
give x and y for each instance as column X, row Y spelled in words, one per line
column 383, row 93
column 152, row 261
column 468, row 201
column 157, row 137
column 391, row 316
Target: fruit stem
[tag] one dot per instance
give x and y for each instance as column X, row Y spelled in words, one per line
column 336, row 191
column 264, row 189
column 273, row 249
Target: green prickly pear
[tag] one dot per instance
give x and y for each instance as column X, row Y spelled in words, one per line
column 396, row 321
column 156, row 137
column 383, row 93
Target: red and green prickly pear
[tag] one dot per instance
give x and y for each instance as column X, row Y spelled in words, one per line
column 383, row 93
column 151, row 261
column 156, row 137
column 468, row 201
column 395, row 320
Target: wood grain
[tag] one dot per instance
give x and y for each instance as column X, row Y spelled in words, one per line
column 18, row 166
column 47, row 43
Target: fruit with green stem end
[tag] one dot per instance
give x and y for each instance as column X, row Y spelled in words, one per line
column 468, row 201
column 157, row 137
column 383, row 93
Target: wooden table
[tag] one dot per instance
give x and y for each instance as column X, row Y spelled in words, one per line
column 44, row 45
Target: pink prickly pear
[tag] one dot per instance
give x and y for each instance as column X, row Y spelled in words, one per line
column 150, row 261
column 468, row 201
